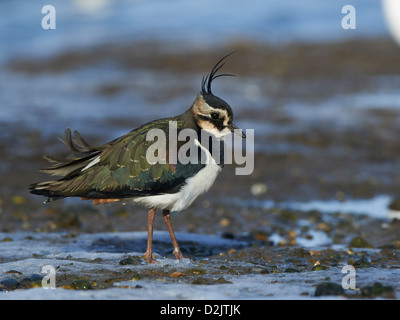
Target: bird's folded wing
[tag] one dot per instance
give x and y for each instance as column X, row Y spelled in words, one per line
column 121, row 168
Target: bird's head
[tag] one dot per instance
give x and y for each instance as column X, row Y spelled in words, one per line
column 213, row 114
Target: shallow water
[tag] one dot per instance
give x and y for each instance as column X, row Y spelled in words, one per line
column 377, row 207
column 324, row 105
column 79, row 25
column 74, row 257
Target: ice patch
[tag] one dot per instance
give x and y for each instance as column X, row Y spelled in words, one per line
column 28, row 253
column 318, row 238
column 377, row 207
column 245, row 287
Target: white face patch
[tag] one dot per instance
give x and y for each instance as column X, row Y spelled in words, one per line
column 204, row 110
column 216, row 133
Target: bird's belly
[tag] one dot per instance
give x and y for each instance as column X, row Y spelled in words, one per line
column 195, row 186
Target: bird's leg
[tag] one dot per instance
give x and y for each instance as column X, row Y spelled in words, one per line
column 150, row 221
column 177, row 251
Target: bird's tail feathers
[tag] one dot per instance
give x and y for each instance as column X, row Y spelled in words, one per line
column 66, row 168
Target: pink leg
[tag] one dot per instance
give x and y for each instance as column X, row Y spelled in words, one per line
column 150, row 221
column 177, row 251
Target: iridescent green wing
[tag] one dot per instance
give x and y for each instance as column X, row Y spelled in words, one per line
column 124, row 169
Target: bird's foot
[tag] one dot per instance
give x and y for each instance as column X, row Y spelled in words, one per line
column 178, row 254
column 149, row 257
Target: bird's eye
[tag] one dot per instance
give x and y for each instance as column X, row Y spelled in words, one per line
column 214, row 115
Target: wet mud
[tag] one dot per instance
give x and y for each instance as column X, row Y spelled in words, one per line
column 311, row 143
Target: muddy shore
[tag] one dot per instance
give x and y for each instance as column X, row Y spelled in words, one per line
column 305, row 150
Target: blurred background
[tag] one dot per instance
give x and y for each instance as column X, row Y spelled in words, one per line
column 323, row 100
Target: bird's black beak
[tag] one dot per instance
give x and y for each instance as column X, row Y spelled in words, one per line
column 232, row 127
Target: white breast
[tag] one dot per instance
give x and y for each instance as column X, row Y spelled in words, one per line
column 195, row 186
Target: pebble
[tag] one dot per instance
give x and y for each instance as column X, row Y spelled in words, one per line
column 291, row 270
column 319, row 267
column 290, row 215
column 378, row 290
column 395, row 205
column 358, row 242
column 362, row 263
column 328, row 289
column 130, row 261
column 81, row 285
column 177, row 274
column 205, row 281
column 14, row 272
column 25, row 283
column 224, row 222
column 260, row 270
column 9, row 284
column 258, row 189
column 35, row 277
column 18, row 200
column 136, row 276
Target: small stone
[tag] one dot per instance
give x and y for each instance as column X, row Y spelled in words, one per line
column 35, row 277
column 9, row 284
column 261, row 236
column 291, row 270
column 224, row 222
column 358, row 242
column 258, row 189
column 136, row 276
column 18, row 200
column 67, row 220
column 395, row 205
column 328, row 289
column 177, row 274
column 396, row 244
column 378, row 290
column 221, row 281
column 362, row 263
column 36, row 284
column 228, row 235
column 130, row 261
column 290, row 215
column 205, row 281
column 197, row 271
column 81, row 285
column 200, row 280
column 319, row 267
column 13, row 272
column 25, row 283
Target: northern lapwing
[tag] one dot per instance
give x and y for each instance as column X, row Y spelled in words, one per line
column 120, row 170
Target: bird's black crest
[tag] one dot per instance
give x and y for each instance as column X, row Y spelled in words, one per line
column 206, row 81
